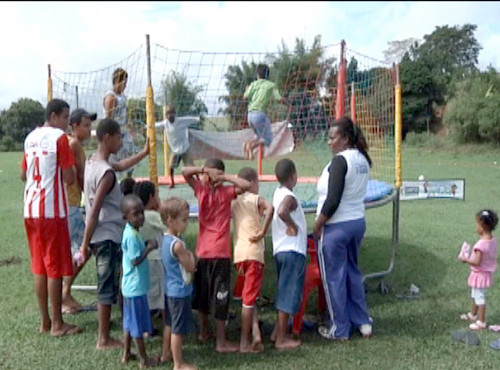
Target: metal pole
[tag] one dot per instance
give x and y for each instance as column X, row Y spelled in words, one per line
column 76, row 88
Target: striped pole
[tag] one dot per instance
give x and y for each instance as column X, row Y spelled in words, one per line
column 166, row 146
column 150, row 120
column 397, row 127
column 49, row 86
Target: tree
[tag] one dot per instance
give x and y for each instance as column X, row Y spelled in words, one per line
column 397, row 49
column 300, row 75
column 473, row 113
column 429, row 72
column 177, row 90
column 22, row 117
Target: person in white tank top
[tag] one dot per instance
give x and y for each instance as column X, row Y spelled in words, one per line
column 340, row 226
column 289, row 235
column 115, row 107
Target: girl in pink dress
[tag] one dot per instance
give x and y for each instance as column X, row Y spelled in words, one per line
column 483, row 263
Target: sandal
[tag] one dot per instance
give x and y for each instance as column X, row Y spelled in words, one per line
column 468, row 317
column 478, row 325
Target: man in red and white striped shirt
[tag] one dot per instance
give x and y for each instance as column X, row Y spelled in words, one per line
column 48, row 163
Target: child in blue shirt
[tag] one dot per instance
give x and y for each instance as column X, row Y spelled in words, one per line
column 135, row 280
column 179, row 265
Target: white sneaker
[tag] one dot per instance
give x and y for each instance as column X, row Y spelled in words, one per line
column 366, row 330
column 329, row 333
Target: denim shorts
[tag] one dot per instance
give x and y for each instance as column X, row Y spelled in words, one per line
column 178, row 315
column 76, row 228
column 290, row 268
column 108, row 262
column 261, row 125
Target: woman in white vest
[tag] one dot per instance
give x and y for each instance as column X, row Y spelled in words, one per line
column 340, row 226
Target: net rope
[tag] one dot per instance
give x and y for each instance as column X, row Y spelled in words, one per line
column 210, row 85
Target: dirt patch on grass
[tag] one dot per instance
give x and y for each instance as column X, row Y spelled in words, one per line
column 10, row 261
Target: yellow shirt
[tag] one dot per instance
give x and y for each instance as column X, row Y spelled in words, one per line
column 74, row 190
column 245, row 212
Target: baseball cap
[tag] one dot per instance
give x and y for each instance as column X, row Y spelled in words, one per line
column 77, row 115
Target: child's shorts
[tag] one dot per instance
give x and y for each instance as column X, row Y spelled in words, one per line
column 77, row 228
column 479, row 296
column 178, row 315
column 261, row 125
column 211, row 283
column 175, row 159
column 50, row 246
column 108, row 263
column 136, row 316
column 156, row 293
column 290, row 267
column 253, row 274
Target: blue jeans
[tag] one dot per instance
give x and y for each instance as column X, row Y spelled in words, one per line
column 261, row 125
column 290, row 267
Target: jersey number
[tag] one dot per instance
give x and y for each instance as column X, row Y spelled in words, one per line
column 37, row 177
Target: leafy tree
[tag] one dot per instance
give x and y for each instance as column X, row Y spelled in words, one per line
column 429, row 72
column 473, row 113
column 177, row 90
column 397, row 49
column 22, row 117
column 299, row 75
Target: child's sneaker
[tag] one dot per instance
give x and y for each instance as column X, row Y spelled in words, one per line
column 478, row 325
column 329, row 333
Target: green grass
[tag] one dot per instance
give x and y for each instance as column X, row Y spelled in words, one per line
column 409, row 334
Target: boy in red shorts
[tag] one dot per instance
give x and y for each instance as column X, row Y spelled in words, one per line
column 48, row 164
column 247, row 210
column 213, row 273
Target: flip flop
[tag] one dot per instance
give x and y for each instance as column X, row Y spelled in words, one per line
column 70, row 330
column 468, row 337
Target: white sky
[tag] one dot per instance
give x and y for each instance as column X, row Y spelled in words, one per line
column 86, row 36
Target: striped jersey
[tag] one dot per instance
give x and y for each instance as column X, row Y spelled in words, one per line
column 46, row 155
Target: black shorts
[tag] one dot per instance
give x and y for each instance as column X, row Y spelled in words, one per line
column 212, row 280
column 108, row 258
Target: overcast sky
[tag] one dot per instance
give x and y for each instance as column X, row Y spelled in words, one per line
column 86, row 36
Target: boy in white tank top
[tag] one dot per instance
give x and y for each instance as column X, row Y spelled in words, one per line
column 289, row 232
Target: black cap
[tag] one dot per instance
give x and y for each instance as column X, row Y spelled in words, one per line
column 77, row 115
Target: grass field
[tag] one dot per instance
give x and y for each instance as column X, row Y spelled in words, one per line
column 409, row 334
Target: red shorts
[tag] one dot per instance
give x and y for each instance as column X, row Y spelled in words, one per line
column 50, row 246
column 251, row 274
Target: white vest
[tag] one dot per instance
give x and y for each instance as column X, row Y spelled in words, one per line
column 120, row 113
column 281, row 241
column 352, row 206
column 44, row 193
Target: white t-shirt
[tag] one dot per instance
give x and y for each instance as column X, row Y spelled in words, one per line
column 352, row 206
column 177, row 133
column 281, row 241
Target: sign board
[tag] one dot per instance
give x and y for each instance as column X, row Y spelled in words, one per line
column 427, row 189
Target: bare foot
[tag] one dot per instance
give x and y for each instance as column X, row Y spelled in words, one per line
column 111, row 343
column 204, row 338
column 149, row 362
column 258, row 346
column 186, row 366
column 227, row 347
column 252, row 348
column 128, row 357
column 69, row 301
column 45, row 327
column 65, row 329
column 165, row 359
column 287, row 343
